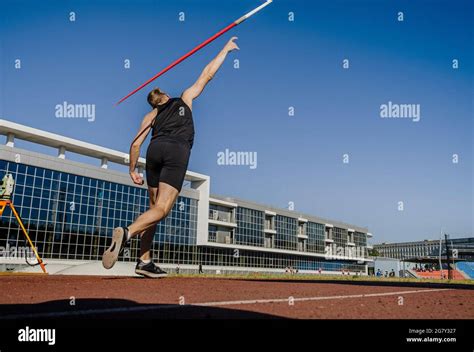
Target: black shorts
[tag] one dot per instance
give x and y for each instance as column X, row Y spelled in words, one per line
column 167, row 161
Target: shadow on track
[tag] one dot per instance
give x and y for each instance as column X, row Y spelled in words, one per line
column 103, row 308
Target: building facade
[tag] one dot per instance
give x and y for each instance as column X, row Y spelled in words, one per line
column 70, row 209
column 464, row 247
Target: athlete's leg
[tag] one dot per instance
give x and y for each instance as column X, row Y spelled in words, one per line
column 145, row 267
column 147, row 235
column 166, row 198
column 172, row 178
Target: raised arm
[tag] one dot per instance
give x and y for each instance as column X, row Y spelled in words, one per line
column 208, row 73
column 136, row 144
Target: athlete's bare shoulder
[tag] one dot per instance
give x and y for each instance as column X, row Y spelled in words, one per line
column 152, row 113
column 149, row 116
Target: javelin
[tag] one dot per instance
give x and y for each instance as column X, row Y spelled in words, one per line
column 200, row 46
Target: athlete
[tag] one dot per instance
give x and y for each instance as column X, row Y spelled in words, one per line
column 167, row 157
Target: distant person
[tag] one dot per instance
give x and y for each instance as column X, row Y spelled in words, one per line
column 200, row 269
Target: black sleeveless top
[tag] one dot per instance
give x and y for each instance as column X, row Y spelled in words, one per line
column 174, row 121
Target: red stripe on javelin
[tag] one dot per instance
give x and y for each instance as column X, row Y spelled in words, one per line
column 203, row 44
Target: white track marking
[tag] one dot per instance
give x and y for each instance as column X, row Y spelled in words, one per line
column 304, row 299
column 153, row 307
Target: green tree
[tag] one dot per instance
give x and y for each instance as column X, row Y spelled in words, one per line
column 373, row 252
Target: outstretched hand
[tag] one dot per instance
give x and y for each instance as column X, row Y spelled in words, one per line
column 230, row 46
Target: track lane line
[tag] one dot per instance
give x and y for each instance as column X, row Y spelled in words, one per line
column 317, row 298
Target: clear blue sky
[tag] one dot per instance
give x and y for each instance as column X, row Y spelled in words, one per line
column 282, row 64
